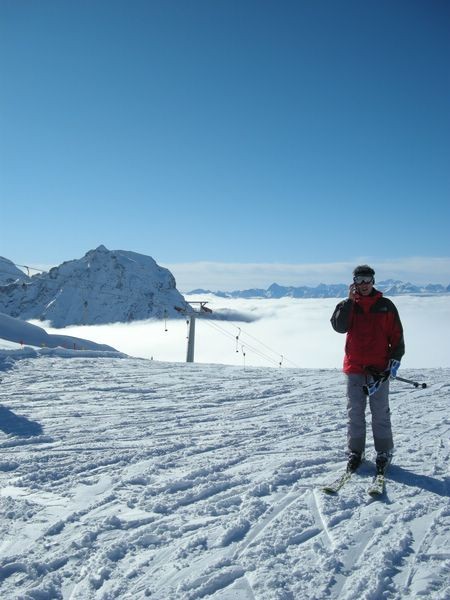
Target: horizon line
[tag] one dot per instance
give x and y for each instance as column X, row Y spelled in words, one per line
column 221, row 275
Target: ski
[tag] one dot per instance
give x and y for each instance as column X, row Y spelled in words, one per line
column 336, row 484
column 377, row 486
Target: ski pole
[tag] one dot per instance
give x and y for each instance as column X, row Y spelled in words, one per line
column 416, row 384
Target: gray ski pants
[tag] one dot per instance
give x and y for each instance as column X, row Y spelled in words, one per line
column 356, row 413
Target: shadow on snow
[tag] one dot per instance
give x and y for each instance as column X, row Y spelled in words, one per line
column 441, row 487
column 10, row 423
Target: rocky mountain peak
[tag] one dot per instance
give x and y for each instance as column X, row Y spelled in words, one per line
column 103, row 286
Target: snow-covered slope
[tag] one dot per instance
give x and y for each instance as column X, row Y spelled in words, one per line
column 102, row 287
column 133, row 479
column 21, row 332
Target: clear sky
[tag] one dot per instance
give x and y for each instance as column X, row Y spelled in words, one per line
column 226, row 131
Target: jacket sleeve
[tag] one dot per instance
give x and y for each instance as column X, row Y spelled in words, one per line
column 341, row 318
column 397, row 341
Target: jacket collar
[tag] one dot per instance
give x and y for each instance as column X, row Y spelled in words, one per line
column 368, row 301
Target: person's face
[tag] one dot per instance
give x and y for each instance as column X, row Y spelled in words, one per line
column 364, row 284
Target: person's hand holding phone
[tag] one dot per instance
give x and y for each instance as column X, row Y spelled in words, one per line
column 352, row 291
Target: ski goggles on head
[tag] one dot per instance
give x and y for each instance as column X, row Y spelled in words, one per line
column 358, row 279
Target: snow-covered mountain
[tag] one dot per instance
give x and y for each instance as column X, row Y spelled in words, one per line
column 9, row 273
column 389, row 287
column 102, row 287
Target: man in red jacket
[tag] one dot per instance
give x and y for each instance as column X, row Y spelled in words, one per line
column 373, row 349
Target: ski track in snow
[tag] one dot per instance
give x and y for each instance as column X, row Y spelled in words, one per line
column 125, row 478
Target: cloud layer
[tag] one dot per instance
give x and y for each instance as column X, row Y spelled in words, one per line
column 292, row 331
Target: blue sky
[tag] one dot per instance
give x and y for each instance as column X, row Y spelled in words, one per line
column 227, row 133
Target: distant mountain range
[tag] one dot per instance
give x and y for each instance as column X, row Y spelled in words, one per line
column 102, row 287
column 389, row 287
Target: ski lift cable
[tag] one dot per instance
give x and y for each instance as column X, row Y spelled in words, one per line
column 21, row 266
column 267, row 347
column 217, row 327
column 278, row 354
column 255, row 350
column 226, row 333
column 231, row 337
column 252, row 348
column 280, row 357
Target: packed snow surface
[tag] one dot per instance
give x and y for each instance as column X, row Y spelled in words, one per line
column 128, row 478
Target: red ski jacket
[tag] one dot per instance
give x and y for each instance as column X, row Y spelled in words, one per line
column 374, row 332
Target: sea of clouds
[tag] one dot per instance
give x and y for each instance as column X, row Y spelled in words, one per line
column 295, row 332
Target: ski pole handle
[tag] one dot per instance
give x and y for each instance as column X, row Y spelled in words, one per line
column 416, row 384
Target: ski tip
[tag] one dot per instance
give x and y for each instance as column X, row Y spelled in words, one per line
column 377, row 488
